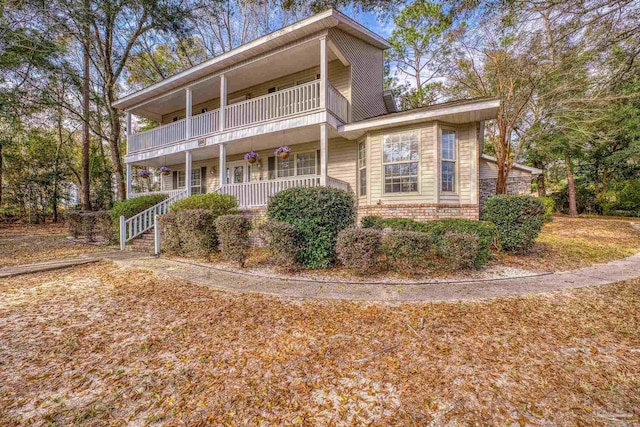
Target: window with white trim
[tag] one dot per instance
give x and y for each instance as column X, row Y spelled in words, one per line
column 400, row 155
column 448, row 161
column 196, row 178
column 362, row 169
column 297, row 164
column 181, row 179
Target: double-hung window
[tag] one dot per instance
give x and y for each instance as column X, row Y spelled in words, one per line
column 448, row 161
column 400, row 155
column 196, row 179
column 362, row 169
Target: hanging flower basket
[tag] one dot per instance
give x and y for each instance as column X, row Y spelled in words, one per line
column 251, row 157
column 144, row 174
column 164, row 170
column 283, row 152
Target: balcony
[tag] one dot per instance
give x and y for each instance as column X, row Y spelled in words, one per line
column 285, row 103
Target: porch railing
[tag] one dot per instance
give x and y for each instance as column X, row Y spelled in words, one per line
column 205, row 123
column 298, row 99
column 169, row 193
column 252, row 194
column 132, row 227
column 158, row 137
column 338, row 104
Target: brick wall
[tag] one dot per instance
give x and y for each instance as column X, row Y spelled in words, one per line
column 420, row 211
column 256, row 216
column 515, row 185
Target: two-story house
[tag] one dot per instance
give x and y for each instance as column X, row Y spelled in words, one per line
column 316, row 87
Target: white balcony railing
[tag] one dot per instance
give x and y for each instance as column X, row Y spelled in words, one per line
column 169, row 193
column 287, row 102
column 338, row 104
column 205, row 123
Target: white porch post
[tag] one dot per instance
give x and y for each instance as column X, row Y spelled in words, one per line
column 223, row 99
column 223, row 164
column 188, row 109
column 324, row 60
column 187, row 172
column 324, row 154
column 128, row 179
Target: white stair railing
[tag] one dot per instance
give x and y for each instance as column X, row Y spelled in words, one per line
column 136, row 225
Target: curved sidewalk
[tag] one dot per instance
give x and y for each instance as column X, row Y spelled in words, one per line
column 615, row 271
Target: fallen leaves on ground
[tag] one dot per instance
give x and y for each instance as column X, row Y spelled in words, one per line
column 99, row 345
column 570, row 243
column 24, row 244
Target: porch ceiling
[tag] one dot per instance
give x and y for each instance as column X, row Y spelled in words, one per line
column 241, row 146
column 280, row 64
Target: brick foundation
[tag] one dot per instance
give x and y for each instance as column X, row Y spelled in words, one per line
column 420, row 211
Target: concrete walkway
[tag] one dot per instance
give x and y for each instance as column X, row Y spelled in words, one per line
column 624, row 269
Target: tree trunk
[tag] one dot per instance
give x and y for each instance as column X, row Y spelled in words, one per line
column 542, row 186
column 503, row 175
column 86, row 193
column 571, row 185
column 116, row 159
column 1, row 172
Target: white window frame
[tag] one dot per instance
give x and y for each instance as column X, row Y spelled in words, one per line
column 443, row 160
column 295, row 164
column 362, row 167
column 182, row 174
column 417, row 161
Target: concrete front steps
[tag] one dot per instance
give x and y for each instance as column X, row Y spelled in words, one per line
column 142, row 243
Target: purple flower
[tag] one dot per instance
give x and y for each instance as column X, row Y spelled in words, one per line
column 283, row 149
column 251, row 155
column 164, row 169
column 144, row 173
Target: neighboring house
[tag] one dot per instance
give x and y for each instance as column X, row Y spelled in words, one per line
column 518, row 182
column 317, row 87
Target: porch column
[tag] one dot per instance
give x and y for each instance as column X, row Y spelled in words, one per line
column 223, row 164
column 128, row 178
column 324, row 154
column 324, row 60
column 188, row 109
column 187, row 171
column 223, row 99
column 128, row 124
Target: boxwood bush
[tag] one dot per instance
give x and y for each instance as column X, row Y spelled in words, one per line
column 459, row 249
column 131, row 207
column 190, row 233
column 372, row 221
column 408, row 251
column 487, row 232
column 360, row 249
column 518, row 219
column 233, row 232
column 282, row 240
column 217, row 204
column 318, row 215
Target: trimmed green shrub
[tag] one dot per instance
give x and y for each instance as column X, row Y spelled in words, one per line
column 190, row 233
column 487, row 232
column 318, row 215
column 459, row 249
column 233, row 232
column 132, row 207
column 282, row 239
column 409, row 251
column 372, row 221
column 217, row 204
column 549, row 208
column 170, row 234
column 518, row 219
column 360, row 249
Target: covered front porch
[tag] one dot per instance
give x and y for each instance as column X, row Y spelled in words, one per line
column 222, row 168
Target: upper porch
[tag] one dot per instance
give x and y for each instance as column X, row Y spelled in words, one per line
column 308, row 82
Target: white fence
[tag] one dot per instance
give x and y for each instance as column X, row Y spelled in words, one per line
column 205, row 123
column 158, row 137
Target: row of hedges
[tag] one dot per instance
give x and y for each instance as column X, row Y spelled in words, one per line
column 368, row 250
column 189, row 229
column 90, row 225
column 487, row 232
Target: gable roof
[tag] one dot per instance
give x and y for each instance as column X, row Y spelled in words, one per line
column 321, row 21
column 532, row 171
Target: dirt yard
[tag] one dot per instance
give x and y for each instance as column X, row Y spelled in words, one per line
column 96, row 345
column 24, row 244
